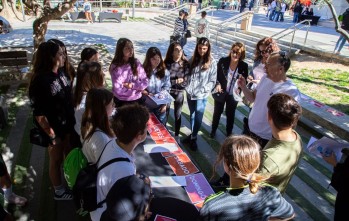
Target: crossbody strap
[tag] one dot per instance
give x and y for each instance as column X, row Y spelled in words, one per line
column 118, row 159
column 103, row 151
column 232, row 80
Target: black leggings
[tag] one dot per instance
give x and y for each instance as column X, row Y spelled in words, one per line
column 229, row 112
column 178, row 104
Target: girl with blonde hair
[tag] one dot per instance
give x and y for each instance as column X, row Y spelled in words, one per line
column 247, row 198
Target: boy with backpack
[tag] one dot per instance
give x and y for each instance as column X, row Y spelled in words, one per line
column 129, row 126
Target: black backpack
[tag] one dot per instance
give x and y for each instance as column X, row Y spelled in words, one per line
column 85, row 188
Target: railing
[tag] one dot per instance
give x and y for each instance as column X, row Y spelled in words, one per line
column 233, row 20
column 176, row 9
column 293, row 30
column 208, row 9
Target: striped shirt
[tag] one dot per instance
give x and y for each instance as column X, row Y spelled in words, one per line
column 241, row 204
column 179, row 27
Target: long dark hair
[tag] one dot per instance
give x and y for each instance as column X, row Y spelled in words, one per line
column 86, row 54
column 89, row 75
column 68, row 68
column 169, row 56
column 95, row 115
column 43, row 61
column 160, row 69
column 206, row 59
column 118, row 59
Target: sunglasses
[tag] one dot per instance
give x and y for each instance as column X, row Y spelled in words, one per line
column 266, row 51
column 235, row 52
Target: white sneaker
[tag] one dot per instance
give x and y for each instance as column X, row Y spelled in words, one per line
column 15, row 199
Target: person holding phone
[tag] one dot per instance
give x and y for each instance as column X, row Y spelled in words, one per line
column 228, row 70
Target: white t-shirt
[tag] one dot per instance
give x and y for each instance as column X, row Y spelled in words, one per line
column 230, row 77
column 92, row 148
column 112, row 173
column 79, row 111
column 258, row 120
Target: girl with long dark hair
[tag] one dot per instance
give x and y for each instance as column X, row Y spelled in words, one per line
column 200, row 82
column 127, row 74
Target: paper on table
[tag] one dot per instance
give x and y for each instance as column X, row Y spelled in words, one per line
column 167, row 181
column 159, row 148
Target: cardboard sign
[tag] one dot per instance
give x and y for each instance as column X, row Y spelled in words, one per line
column 181, row 164
column 163, row 218
column 153, row 120
column 198, row 188
column 173, row 153
column 159, row 132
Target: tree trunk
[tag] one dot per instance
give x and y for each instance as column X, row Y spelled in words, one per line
column 44, row 15
column 336, row 21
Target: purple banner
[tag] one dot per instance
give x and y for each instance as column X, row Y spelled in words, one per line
column 197, row 187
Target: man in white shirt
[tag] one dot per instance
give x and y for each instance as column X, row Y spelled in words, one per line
column 274, row 82
column 202, row 27
column 130, row 127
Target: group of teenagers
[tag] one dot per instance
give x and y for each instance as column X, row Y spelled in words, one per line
column 75, row 109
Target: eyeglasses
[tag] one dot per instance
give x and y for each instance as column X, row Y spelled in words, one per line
column 235, row 52
column 265, row 52
column 178, row 49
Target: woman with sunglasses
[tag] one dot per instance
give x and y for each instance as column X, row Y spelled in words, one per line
column 200, row 82
column 178, row 66
column 228, row 71
column 264, row 48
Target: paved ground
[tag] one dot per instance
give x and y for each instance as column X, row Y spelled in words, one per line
column 145, row 35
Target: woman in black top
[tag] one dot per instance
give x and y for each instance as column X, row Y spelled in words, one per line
column 228, row 70
column 50, row 96
column 178, row 66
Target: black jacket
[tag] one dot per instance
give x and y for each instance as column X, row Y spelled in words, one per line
column 223, row 70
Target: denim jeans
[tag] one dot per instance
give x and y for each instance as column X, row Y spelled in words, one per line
column 272, row 14
column 340, row 43
column 276, row 16
column 197, row 109
column 162, row 117
column 295, row 17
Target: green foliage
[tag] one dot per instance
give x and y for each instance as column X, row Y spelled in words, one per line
column 328, row 86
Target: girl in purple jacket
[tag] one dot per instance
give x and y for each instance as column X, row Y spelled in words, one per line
column 127, row 74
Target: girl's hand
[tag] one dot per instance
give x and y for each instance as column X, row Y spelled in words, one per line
column 163, row 109
column 145, row 92
column 219, row 88
column 179, row 80
column 330, row 159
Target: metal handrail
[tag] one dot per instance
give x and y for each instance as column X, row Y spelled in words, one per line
column 208, row 9
column 293, row 30
column 172, row 10
column 226, row 23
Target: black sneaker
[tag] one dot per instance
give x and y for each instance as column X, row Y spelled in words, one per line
column 186, row 140
column 66, row 195
column 193, row 145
